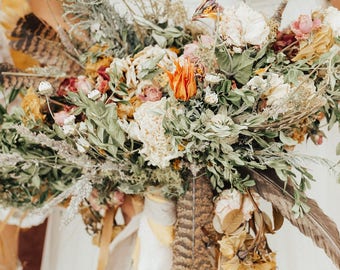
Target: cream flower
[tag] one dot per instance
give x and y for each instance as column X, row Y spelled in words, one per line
column 332, row 18
column 230, row 200
column 243, row 25
column 69, row 125
column 277, row 90
column 210, row 97
column 158, row 149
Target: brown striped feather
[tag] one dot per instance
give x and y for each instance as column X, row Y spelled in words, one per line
column 195, row 212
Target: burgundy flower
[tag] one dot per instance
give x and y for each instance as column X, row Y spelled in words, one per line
column 102, row 72
column 67, row 85
column 103, row 79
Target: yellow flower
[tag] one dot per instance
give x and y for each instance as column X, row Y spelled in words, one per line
column 31, row 104
column 182, row 82
column 91, row 68
column 321, row 42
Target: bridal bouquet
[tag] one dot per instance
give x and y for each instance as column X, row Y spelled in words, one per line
column 207, row 114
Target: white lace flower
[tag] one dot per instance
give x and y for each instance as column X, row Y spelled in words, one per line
column 147, row 127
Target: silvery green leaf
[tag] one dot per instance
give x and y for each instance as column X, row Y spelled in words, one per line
column 287, row 140
column 36, row 180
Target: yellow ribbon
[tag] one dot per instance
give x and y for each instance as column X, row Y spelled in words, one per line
column 105, row 238
column 9, row 242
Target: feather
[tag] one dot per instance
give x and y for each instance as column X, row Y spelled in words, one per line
column 12, row 78
column 314, row 224
column 195, row 212
column 279, row 12
column 41, row 41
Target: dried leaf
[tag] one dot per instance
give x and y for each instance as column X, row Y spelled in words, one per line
column 268, row 223
column 232, row 221
column 278, row 219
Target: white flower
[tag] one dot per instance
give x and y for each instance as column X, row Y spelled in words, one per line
column 256, row 83
column 211, row 98
column 211, row 78
column 94, row 94
column 332, row 18
column 82, row 145
column 230, row 200
column 45, row 88
column 69, row 125
column 242, row 26
column 277, row 90
column 158, row 149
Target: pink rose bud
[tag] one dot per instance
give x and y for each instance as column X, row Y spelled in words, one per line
column 83, row 84
column 303, row 26
column 60, row 117
column 151, row 93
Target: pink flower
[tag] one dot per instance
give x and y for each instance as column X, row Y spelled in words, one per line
column 150, row 93
column 60, row 117
column 303, row 26
column 83, row 84
column 190, row 51
column 207, row 41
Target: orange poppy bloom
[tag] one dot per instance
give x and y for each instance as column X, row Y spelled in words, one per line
column 182, row 82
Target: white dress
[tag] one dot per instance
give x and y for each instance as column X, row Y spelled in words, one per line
column 70, row 248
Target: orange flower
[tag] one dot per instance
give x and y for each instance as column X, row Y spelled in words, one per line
column 182, row 82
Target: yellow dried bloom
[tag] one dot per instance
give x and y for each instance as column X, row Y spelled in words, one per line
column 321, row 42
column 91, row 68
column 230, row 245
column 31, row 104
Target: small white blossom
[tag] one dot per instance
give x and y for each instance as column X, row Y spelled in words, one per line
column 211, row 78
column 94, row 94
column 277, row 90
column 82, row 145
column 45, row 88
column 210, row 97
column 82, row 127
column 69, row 125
